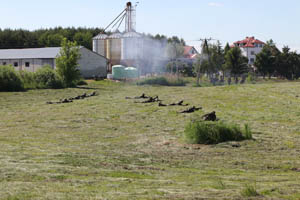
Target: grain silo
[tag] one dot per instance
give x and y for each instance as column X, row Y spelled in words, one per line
column 114, row 48
column 132, row 45
column 100, row 44
column 128, row 48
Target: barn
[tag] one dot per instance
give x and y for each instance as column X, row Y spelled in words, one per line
column 90, row 63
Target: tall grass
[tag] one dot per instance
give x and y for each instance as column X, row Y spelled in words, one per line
column 249, row 191
column 201, row 132
column 163, row 80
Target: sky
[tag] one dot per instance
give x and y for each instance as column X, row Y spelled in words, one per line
column 224, row 20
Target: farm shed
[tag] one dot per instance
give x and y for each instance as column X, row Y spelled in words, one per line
column 90, row 63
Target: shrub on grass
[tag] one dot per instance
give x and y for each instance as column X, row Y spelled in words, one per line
column 202, row 132
column 10, row 80
column 28, row 79
column 249, row 191
column 163, row 80
column 47, row 78
column 81, row 82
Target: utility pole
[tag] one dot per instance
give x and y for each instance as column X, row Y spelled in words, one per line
column 204, row 54
column 205, row 45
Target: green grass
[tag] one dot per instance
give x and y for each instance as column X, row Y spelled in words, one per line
column 107, row 147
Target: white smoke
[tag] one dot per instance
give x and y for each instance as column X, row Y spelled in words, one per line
column 149, row 55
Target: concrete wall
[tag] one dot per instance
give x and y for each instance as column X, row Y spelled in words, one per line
column 92, row 64
column 33, row 63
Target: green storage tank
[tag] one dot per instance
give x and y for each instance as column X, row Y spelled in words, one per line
column 118, row 72
column 131, row 73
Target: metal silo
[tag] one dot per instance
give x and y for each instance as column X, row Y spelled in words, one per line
column 114, row 46
column 132, row 47
column 99, row 44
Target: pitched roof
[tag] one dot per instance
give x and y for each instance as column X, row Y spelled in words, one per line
column 49, row 52
column 187, row 49
column 187, row 54
column 248, row 42
column 37, row 53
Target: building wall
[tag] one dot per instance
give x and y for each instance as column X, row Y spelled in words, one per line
column 92, row 64
column 31, row 64
column 251, row 52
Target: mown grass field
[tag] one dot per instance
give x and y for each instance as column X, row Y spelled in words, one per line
column 107, row 147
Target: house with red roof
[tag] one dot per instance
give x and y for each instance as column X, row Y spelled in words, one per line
column 190, row 52
column 250, row 47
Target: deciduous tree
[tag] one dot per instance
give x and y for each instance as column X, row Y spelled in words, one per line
column 67, row 63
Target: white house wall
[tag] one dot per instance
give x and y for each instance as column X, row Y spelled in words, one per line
column 251, row 52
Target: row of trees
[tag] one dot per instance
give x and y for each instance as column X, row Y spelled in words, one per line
column 53, row 37
column 46, row 37
column 214, row 59
column 233, row 64
column 272, row 62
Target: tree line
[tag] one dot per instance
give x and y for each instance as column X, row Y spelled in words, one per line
column 53, row 37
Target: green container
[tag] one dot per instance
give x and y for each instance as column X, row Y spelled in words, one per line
column 118, row 72
column 131, row 73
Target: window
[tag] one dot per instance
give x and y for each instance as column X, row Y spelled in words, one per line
column 16, row 64
column 252, row 53
column 251, row 60
column 4, row 63
column 27, row 64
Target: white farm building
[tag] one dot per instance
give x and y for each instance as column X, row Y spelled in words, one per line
column 90, row 63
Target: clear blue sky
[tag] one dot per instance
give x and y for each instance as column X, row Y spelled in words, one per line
column 226, row 20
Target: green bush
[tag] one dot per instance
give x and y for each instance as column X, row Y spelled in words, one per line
column 250, row 191
column 202, row 132
column 10, row 80
column 28, row 79
column 47, row 78
column 81, row 82
column 163, row 80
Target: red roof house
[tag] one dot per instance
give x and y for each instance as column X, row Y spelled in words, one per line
column 249, row 42
column 190, row 52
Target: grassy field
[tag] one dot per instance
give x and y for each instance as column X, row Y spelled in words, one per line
column 107, row 147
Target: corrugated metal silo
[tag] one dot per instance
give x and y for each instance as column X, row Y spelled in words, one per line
column 114, row 46
column 99, row 44
column 132, row 47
